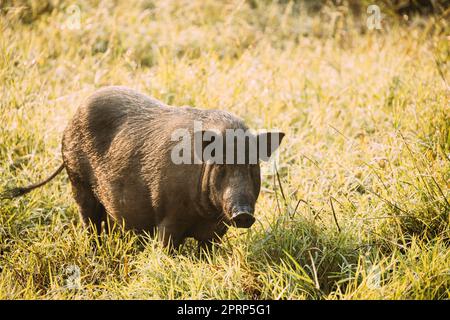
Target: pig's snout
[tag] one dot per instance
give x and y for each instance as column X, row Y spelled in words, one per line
column 243, row 218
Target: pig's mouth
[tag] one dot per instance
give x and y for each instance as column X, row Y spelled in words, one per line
column 242, row 219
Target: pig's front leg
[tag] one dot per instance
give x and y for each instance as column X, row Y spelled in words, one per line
column 207, row 244
column 171, row 235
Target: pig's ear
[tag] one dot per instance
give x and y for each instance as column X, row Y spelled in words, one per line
column 268, row 142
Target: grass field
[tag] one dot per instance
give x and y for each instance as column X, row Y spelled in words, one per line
column 360, row 209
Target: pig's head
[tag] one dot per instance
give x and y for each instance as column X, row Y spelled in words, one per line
column 233, row 180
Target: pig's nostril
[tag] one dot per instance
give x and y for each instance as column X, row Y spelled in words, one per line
column 243, row 220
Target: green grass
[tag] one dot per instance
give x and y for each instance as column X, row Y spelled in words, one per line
column 361, row 206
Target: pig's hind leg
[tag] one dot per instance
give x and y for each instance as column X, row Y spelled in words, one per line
column 91, row 210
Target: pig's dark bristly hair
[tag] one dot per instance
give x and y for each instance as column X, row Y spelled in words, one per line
column 20, row 191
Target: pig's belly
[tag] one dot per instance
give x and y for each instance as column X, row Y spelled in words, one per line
column 128, row 203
